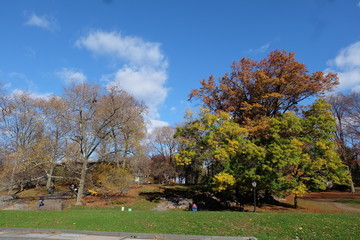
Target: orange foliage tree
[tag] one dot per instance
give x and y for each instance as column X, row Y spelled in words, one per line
column 266, row 88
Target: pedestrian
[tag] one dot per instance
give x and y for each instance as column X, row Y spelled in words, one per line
column 194, row 208
column 73, row 189
column 41, row 201
column 52, row 188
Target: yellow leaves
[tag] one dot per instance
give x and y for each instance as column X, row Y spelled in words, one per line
column 223, row 181
column 184, row 157
column 320, row 145
column 107, row 177
column 300, row 188
column 221, row 154
column 93, row 192
column 296, row 142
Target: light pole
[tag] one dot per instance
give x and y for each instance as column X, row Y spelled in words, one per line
column 254, row 190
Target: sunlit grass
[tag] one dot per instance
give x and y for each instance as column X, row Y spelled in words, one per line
column 142, row 205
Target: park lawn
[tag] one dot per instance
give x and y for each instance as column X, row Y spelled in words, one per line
column 260, row 225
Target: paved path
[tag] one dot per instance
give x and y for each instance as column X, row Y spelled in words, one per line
column 338, row 205
column 47, row 234
column 344, row 207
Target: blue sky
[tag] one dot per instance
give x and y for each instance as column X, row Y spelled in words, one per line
column 158, row 50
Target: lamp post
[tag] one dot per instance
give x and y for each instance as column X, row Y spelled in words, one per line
column 254, row 190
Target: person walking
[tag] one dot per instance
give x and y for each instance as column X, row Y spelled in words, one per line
column 41, row 202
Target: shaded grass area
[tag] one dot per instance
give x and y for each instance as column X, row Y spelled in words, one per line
column 260, row 225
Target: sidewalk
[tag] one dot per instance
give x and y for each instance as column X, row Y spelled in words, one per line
column 58, row 234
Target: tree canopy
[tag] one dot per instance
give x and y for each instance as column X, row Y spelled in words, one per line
column 254, row 89
column 297, row 155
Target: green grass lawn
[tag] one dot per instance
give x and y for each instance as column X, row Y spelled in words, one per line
column 261, row 225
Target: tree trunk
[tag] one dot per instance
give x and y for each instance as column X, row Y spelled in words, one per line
column 82, row 182
column 296, row 201
column 352, row 187
column 49, row 176
column 12, row 180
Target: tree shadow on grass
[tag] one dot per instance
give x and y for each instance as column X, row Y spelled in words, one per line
column 208, row 200
column 204, row 199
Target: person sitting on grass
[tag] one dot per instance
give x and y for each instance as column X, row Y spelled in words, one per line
column 194, row 208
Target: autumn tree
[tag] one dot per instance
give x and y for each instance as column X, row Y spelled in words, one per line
column 296, row 155
column 266, row 88
column 92, row 114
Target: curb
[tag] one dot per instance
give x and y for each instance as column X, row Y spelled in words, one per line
column 123, row 235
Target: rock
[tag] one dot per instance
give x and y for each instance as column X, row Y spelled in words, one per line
column 6, row 198
column 178, row 203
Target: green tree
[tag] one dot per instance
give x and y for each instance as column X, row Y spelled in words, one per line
column 217, row 143
column 297, row 155
column 302, row 152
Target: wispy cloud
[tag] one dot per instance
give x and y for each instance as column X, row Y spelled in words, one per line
column 44, row 22
column 347, row 65
column 32, row 94
column 16, row 79
column 70, row 76
column 358, row 4
column 144, row 73
column 263, row 48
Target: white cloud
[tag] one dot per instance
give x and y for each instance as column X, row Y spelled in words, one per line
column 145, row 83
column 44, row 22
column 347, row 65
column 358, row 4
column 128, row 48
column 71, row 76
column 156, row 124
column 144, row 73
column 263, row 48
column 348, row 57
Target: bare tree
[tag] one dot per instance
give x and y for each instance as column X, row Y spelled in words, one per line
column 56, row 132
column 164, row 147
column 22, row 128
column 346, row 110
column 127, row 130
column 93, row 115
